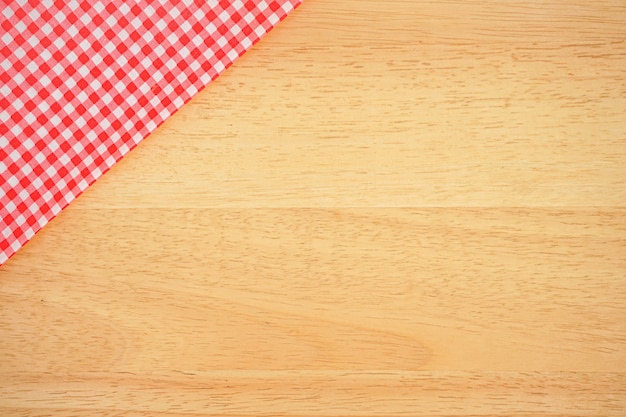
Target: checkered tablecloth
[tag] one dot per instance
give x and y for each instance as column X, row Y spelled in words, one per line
column 82, row 83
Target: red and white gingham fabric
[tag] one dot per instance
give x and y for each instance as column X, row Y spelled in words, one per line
column 82, row 83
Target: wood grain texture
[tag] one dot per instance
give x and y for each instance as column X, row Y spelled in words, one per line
column 384, row 209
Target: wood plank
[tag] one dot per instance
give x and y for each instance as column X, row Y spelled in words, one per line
column 322, row 393
column 345, row 289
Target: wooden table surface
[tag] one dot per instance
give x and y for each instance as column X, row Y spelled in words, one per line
column 385, row 208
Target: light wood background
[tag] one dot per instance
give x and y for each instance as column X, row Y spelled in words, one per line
column 385, row 208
